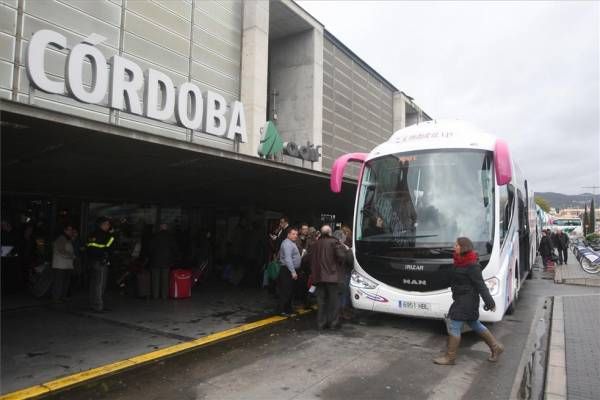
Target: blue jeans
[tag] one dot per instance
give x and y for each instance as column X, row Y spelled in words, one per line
column 455, row 327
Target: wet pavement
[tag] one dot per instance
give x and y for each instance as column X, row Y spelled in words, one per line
column 40, row 342
column 376, row 356
column 582, row 346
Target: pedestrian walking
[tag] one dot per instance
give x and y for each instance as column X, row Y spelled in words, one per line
column 467, row 285
column 326, row 258
column 63, row 254
column 164, row 252
column 557, row 244
column 99, row 249
column 563, row 240
column 289, row 259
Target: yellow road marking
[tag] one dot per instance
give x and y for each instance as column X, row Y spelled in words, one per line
column 71, row 380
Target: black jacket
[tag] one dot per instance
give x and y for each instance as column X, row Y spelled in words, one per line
column 563, row 239
column 100, row 245
column 164, row 251
column 545, row 247
column 327, row 258
column 467, row 285
column 555, row 241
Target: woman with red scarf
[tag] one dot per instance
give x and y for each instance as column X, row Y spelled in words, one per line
column 467, row 285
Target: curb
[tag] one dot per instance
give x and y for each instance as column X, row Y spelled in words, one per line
column 556, row 374
column 525, row 357
column 79, row 378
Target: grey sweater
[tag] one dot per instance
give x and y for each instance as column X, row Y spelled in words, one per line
column 289, row 255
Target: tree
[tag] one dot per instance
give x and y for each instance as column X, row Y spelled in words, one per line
column 592, row 217
column 585, row 221
column 543, row 203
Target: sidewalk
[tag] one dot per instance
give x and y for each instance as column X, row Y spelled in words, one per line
column 573, row 274
column 574, row 354
column 41, row 343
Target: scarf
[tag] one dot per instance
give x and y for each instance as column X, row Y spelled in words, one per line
column 466, row 259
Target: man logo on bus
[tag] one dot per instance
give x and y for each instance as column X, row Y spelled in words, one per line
column 420, row 282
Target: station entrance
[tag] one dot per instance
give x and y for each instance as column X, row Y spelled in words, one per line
column 215, row 202
column 54, row 172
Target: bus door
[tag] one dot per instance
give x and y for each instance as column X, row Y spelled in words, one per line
column 523, row 234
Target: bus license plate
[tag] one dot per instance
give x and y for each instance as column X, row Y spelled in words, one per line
column 414, row 305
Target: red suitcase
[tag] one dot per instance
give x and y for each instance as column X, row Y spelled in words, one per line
column 180, row 285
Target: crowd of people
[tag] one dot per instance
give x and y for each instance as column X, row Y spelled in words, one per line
column 311, row 264
column 554, row 247
column 315, row 262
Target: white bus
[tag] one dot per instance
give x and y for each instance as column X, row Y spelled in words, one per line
column 570, row 226
column 427, row 185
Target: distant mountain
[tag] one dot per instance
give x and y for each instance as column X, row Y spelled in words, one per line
column 559, row 200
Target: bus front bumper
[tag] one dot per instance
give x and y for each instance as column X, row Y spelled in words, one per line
column 433, row 305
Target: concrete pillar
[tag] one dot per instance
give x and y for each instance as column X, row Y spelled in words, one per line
column 317, row 122
column 399, row 111
column 296, row 73
column 255, row 59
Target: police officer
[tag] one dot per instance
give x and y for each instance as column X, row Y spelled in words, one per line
column 99, row 248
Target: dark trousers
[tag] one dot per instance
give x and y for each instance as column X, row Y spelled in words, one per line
column 563, row 254
column 160, row 282
column 300, row 287
column 345, row 301
column 560, row 255
column 285, row 287
column 61, row 283
column 98, row 278
column 328, row 300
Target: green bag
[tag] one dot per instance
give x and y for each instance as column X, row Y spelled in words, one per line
column 273, row 270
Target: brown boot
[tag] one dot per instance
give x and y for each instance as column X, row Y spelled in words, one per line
column 450, row 357
column 495, row 347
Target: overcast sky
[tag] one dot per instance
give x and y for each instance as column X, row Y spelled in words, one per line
column 527, row 72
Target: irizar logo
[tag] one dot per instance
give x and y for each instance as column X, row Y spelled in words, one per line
column 419, row 282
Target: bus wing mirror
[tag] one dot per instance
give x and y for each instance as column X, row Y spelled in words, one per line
column 337, row 171
column 502, row 163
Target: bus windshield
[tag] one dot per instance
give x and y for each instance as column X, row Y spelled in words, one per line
column 427, row 199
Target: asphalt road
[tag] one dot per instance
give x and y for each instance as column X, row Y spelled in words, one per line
column 375, row 357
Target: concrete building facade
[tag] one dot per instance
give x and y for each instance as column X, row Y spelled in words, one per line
column 166, row 102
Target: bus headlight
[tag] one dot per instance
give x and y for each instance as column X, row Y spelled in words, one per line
column 359, row 281
column 493, row 284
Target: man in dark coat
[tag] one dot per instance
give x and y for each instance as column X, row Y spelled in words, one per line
column 282, row 233
column 326, row 258
column 545, row 248
column 163, row 253
column 563, row 251
column 556, row 243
